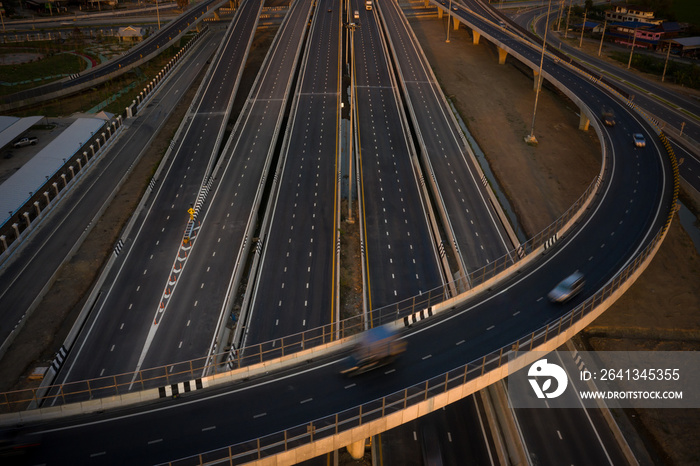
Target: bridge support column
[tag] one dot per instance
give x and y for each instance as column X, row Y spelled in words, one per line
column 502, row 54
column 357, row 449
column 583, row 122
column 216, row 17
column 475, row 37
column 440, row 13
column 456, row 23
column 426, row 3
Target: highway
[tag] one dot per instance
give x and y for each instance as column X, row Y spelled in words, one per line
column 115, row 338
column 635, row 192
column 26, row 274
column 673, row 109
column 135, row 55
column 470, row 216
column 295, row 287
column 400, row 254
column 207, row 285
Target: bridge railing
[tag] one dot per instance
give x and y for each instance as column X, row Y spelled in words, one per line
column 119, row 384
column 357, row 416
column 233, row 359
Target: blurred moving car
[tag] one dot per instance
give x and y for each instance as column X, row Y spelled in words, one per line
column 639, row 140
column 567, row 288
column 377, row 347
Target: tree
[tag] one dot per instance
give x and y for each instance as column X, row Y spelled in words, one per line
column 182, row 4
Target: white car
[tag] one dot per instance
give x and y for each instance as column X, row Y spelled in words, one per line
column 30, row 141
column 567, row 288
column 639, row 140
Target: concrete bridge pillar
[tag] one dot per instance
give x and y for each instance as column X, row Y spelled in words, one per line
column 502, row 54
column 26, row 219
column 440, row 13
column 46, row 196
column 456, row 23
column 3, row 240
column 37, row 208
column 15, row 227
column 55, row 187
column 475, row 37
column 357, row 449
column 583, row 122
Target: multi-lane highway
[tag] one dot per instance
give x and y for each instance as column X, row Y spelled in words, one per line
column 400, row 254
column 121, row 327
column 636, row 191
column 27, row 272
column 295, row 288
column 469, row 213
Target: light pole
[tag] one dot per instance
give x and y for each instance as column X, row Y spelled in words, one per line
column 583, row 29
column 449, row 15
column 668, row 52
column 531, row 139
column 634, row 40
column 600, row 48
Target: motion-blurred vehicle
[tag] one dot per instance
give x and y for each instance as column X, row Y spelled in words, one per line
column 567, row 288
column 377, row 347
column 639, row 140
column 608, row 117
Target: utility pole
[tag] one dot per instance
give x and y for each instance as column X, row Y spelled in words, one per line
column 449, row 15
column 531, row 139
column 668, row 52
column 561, row 12
column 568, row 13
column 583, row 28
column 634, row 40
column 600, row 48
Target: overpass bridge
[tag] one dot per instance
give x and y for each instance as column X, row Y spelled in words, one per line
column 254, row 423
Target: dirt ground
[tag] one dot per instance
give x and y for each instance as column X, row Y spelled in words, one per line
column 661, row 310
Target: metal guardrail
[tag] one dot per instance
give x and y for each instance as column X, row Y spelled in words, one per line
column 232, row 359
column 330, row 425
column 324, row 427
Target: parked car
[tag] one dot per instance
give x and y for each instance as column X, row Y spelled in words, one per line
column 639, row 140
column 30, row 141
column 567, row 288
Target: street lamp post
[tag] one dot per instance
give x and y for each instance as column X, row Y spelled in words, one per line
column 634, row 40
column 600, row 48
column 668, row 52
column 531, row 139
column 449, row 15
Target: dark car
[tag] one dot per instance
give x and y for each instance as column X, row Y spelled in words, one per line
column 30, row 141
column 567, row 288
